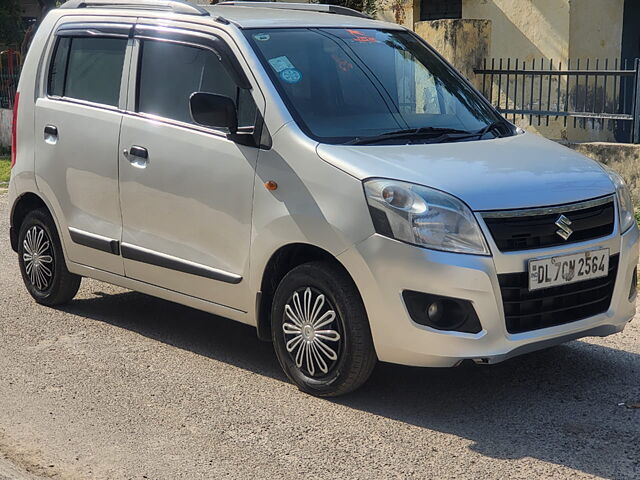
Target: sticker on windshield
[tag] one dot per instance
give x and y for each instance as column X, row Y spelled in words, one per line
column 291, row 75
column 262, row 37
column 281, row 63
column 358, row 36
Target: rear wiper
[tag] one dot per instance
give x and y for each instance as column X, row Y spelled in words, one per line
column 423, row 132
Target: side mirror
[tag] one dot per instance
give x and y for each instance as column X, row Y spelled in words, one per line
column 211, row 110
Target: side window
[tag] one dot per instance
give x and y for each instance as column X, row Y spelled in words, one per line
column 59, row 67
column 169, row 73
column 88, row 68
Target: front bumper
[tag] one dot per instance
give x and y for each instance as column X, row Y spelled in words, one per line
column 382, row 268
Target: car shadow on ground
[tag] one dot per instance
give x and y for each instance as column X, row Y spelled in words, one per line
column 559, row 405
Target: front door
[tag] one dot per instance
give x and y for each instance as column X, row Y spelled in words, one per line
column 186, row 191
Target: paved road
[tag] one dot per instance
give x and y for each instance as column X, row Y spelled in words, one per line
column 119, row 385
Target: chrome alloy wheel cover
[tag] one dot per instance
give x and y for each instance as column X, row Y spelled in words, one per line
column 38, row 258
column 311, row 331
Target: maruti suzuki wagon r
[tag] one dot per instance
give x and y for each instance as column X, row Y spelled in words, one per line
column 322, row 176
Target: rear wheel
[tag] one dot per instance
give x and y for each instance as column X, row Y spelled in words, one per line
column 42, row 262
column 320, row 330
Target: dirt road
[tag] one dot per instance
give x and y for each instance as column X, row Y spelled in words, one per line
column 119, row 385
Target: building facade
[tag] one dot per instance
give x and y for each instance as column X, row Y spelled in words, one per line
column 550, row 32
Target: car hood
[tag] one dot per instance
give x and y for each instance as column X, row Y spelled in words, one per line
column 513, row 172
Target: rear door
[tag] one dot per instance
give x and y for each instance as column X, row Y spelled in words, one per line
column 186, row 191
column 77, row 124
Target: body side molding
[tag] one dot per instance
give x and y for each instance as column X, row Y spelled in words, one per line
column 96, row 241
column 139, row 254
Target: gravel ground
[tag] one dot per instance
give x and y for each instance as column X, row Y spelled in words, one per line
column 119, row 385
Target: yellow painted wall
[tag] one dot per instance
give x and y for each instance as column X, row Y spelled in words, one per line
column 596, row 34
column 542, row 30
column 596, row 28
column 524, row 29
column 404, row 12
column 558, row 30
column 464, row 43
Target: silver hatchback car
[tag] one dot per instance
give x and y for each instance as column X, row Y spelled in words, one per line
column 322, row 176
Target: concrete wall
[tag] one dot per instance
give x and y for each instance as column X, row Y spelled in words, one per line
column 623, row 158
column 403, row 12
column 596, row 29
column 464, row 43
column 6, row 117
column 551, row 29
column 559, row 30
column 524, row 29
column 595, row 34
column 544, row 29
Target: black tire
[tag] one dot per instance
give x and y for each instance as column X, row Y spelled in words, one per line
column 38, row 234
column 354, row 351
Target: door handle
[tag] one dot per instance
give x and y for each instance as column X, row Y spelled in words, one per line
column 137, row 156
column 51, row 134
column 140, row 152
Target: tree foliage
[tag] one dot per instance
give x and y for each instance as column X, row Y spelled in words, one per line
column 11, row 27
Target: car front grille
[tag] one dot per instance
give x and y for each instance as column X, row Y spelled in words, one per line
column 514, row 230
column 526, row 311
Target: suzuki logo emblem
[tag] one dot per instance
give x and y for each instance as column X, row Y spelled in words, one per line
column 563, row 227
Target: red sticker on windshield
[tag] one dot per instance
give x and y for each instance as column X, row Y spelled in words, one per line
column 358, row 36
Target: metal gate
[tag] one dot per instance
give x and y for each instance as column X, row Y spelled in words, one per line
column 602, row 94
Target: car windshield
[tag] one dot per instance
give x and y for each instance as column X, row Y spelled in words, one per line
column 343, row 85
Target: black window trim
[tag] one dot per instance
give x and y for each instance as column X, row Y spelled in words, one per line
column 95, row 29
column 91, row 30
column 192, row 38
column 195, row 39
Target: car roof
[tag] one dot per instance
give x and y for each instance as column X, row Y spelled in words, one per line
column 252, row 16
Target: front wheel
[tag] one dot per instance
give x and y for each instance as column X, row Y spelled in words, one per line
column 42, row 262
column 320, row 330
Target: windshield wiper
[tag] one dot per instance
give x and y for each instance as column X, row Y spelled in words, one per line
column 436, row 134
column 409, row 133
column 492, row 127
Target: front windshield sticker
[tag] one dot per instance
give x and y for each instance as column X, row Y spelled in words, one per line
column 281, row 63
column 262, row 37
column 291, row 75
column 358, row 36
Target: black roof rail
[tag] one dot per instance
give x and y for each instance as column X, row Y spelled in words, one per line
column 308, row 7
column 176, row 6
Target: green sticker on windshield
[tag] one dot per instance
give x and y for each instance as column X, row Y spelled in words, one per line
column 291, row 75
column 281, row 63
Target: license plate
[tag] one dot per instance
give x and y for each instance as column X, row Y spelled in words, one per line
column 564, row 269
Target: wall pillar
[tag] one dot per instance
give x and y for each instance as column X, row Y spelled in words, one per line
column 6, row 119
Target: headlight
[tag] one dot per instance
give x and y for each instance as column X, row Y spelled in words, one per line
column 423, row 216
column 625, row 204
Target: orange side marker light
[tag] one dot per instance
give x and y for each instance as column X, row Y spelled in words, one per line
column 271, row 185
